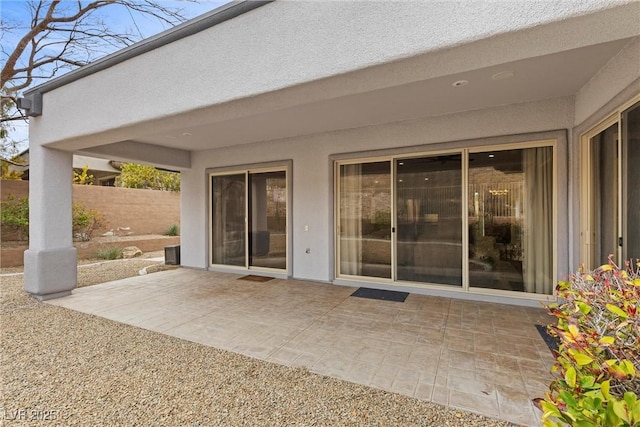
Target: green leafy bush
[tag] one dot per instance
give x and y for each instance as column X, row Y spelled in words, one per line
column 14, row 214
column 83, row 177
column 174, row 230
column 85, row 222
column 598, row 363
column 142, row 176
column 113, row 252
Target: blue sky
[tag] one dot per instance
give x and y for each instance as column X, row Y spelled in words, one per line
column 119, row 19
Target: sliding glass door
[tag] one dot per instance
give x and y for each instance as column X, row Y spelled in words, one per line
column 630, row 191
column 249, row 219
column 611, row 209
column 604, row 209
column 268, row 219
column 510, row 221
column 401, row 219
column 364, row 231
column 228, row 204
column 429, row 219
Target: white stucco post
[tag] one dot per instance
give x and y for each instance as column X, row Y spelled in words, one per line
column 50, row 263
column 194, row 221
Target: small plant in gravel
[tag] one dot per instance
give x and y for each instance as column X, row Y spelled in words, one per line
column 174, row 230
column 598, row 362
column 112, row 252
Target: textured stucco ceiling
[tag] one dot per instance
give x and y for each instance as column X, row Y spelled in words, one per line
column 549, row 76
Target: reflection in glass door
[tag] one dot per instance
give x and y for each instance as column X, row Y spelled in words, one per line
column 365, row 219
column 228, row 219
column 429, row 219
column 268, row 219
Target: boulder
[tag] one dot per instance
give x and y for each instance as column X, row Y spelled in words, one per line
column 131, row 252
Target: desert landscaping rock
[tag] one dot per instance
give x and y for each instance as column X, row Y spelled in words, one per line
column 131, row 252
column 86, row 370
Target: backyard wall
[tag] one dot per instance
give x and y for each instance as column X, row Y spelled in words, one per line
column 143, row 211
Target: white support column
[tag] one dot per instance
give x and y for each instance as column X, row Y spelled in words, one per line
column 50, row 263
column 194, row 219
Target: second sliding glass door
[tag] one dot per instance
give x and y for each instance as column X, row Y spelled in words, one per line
column 249, row 219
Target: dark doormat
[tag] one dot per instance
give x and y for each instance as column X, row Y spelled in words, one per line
column 380, row 294
column 254, row 278
column 552, row 342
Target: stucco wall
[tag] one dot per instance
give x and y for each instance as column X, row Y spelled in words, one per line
column 611, row 80
column 312, row 173
column 144, row 211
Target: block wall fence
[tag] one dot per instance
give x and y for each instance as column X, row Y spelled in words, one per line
column 143, row 211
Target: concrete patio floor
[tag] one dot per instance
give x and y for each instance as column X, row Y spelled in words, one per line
column 482, row 357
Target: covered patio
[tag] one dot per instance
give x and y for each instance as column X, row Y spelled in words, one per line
column 483, row 357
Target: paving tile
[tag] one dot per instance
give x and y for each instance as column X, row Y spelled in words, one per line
column 442, row 378
column 461, row 359
column 362, row 373
column 382, row 382
column 471, row 386
column 424, row 391
column 306, row 360
column 371, row 355
column 387, row 370
column 499, row 377
column 440, row 395
column 406, row 386
column 485, row 405
column 333, row 366
column 462, row 334
column 282, row 356
column 430, row 335
column 485, row 360
column 463, row 373
column 516, row 406
column 461, row 344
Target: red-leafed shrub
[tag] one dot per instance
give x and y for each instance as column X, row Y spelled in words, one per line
column 598, row 362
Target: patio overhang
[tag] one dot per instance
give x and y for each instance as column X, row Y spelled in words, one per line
column 547, row 61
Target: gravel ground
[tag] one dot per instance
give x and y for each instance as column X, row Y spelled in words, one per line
column 85, row 370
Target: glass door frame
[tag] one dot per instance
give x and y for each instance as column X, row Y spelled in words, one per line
column 464, row 152
column 247, row 254
column 587, row 217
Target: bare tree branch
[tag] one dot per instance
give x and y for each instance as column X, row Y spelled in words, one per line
column 63, row 35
